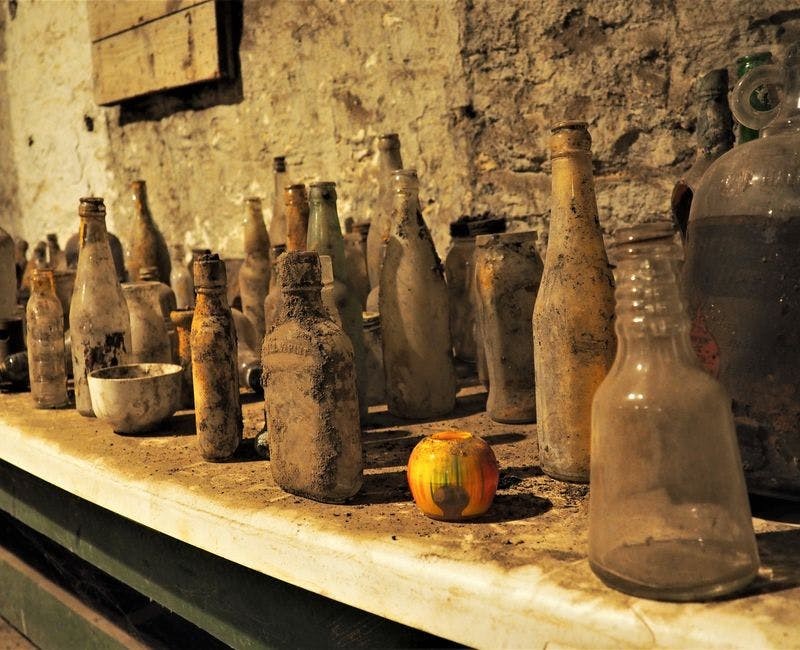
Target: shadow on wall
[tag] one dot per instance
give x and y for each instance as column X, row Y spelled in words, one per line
column 224, row 91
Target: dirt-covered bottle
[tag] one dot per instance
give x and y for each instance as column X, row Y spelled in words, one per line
column 310, row 391
column 45, row 340
column 277, row 225
column 296, row 214
column 573, row 320
column 215, row 376
column 99, row 322
column 255, row 271
column 417, row 349
column 147, row 247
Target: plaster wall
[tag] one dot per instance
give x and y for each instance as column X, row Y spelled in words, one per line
column 471, row 86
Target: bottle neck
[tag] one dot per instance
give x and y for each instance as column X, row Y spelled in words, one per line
column 574, row 206
column 302, row 303
column 389, row 161
column 92, row 231
column 325, row 235
column 256, row 239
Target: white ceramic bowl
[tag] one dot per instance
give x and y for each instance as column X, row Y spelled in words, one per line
column 136, row 397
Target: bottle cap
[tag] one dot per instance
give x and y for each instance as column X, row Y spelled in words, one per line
column 253, row 203
column 209, row 272
column 299, row 270
column 569, row 137
column 388, row 141
column 279, row 163
column 92, row 207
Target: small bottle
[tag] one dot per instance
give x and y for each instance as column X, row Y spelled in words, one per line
column 355, row 254
column 45, row 340
column 573, row 333
column 310, row 391
column 56, row 259
column 714, row 138
column 459, row 274
column 180, row 279
column 255, row 271
column 417, row 349
column 100, row 325
column 760, row 100
column 215, row 376
column 373, row 344
column 296, row 213
column 277, row 226
column 182, row 319
column 147, row 244
column 508, row 271
column 389, row 161
column 325, row 237
column 8, row 277
column 149, row 337
column 668, row 514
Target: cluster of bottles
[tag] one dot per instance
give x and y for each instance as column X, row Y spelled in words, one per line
column 606, row 362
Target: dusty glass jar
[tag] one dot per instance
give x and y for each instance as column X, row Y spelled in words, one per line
column 668, row 513
column 45, row 341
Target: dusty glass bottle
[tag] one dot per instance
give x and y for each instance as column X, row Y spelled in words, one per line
column 310, row 391
column 373, row 345
column 182, row 319
column 166, row 296
column 296, row 214
column 668, row 514
column 573, row 328
column 508, row 271
column 417, row 349
column 742, row 273
column 277, row 225
column 714, row 138
column 56, row 259
column 355, row 253
column 45, row 341
column 325, row 238
column 332, row 290
column 8, row 277
column 254, row 273
column 389, row 161
column 460, row 274
column 215, row 377
column 760, row 98
column 149, row 337
column 72, row 250
column 99, row 322
column 180, row 279
column 38, row 260
column 147, row 247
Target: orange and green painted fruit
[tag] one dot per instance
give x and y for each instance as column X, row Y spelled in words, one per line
column 453, row 475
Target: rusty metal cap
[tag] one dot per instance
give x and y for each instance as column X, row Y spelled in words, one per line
column 569, row 137
column 209, row 272
column 279, row 163
column 299, row 270
column 92, row 207
column 388, row 141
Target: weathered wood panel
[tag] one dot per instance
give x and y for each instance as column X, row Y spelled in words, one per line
column 173, row 51
column 109, row 17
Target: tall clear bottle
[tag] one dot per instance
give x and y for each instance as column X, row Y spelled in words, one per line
column 277, row 226
column 147, row 246
column 389, row 161
column 310, row 391
column 417, row 349
column 325, row 237
column 573, row 329
column 255, row 271
column 215, row 375
column 45, row 340
column 668, row 514
column 99, row 322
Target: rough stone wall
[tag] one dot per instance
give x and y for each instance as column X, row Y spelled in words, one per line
column 470, row 85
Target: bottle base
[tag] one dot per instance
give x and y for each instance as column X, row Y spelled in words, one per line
column 567, row 478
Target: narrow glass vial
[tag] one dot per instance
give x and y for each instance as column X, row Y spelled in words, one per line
column 147, row 246
column 180, row 279
column 45, row 340
column 310, row 391
column 417, row 350
column 277, row 226
column 389, row 161
column 182, row 319
column 508, row 271
column 668, row 514
column 149, row 337
column 573, row 334
column 325, row 237
column 296, row 210
column 714, row 138
column 255, row 271
column 99, row 322
column 215, row 376
column 8, row 277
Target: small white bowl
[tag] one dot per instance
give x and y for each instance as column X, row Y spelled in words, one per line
column 136, row 397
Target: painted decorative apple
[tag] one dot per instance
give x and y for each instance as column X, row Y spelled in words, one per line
column 453, row 475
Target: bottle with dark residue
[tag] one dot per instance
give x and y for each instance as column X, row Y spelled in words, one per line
column 182, row 319
column 573, row 319
column 147, row 247
column 100, row 325
column 215, row 376
column 45, row 341
column 508, row 271
column 310, row 391
column 417, row 349
column 296, row 213
column 255, row 271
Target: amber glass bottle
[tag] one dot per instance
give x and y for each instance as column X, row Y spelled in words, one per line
column 296, row 211
column 147, row 247
column 277, row 226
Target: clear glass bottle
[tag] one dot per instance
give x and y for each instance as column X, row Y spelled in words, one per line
column 180, row 279
column 508, row 271
column 8, row 277
column 668, row 513
column 255, row 271
column 277, row 225
column 310, row 391
column 100, row 325
column 325, row 237
column 389, row 161
column 45, row 339
column 147, row 246
column 760, row 98
column 415, row 320
column 215, row 375
column 573, row 333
